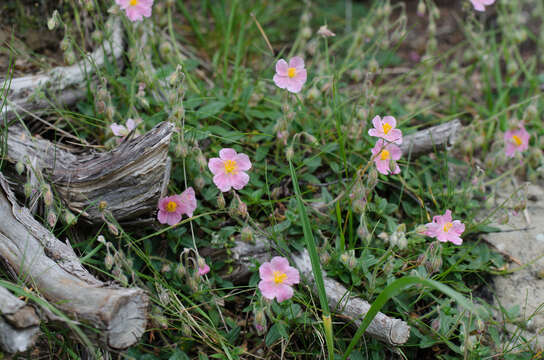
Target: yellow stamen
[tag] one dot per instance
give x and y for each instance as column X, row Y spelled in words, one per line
column 279, row 277
column 171, row 206
column 230, row 167
column 517, row 140
column 386, row 128
column 448, row 226
column 133, row 2
column 291, row 72
column 384, row 155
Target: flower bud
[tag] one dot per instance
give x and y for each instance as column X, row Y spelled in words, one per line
column 52, row 21
column 289, row 153
column 421, row 8
column 100, row 106
column 247, row 234
column 70, row 57
column 181, row 271
column 201, row 159
column 51, row 218
column 242, row 209
column 166, row 268
column 102, row 205
column 373, row 66
column 110, row 112
column 260, row 322
column 306, row 32
column 165, row 49
column 28, row 189
column 313, row 94
column 434, row 264
column 108, row 261
column 112, row 229
column 19, row 167
column 69, row 218
column 48, row 197
column 186, row 330
column 324, row 257
column 221, row 201
column 372, row 179
column 200, row 182
column 101, row 239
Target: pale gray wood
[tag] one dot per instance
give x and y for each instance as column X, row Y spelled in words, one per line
column 130, row 179
column 52, row 268
column 19, row 323
column 64, row 84
column 436, row 137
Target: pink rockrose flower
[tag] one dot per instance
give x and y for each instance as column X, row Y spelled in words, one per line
column 277, row 279
column 385, row 156
column 516, row 141
column 204, row 269
column 136, row 9
column 229, row 170
column 122, row 130
column 444, row 229
column 386, row 129
column 172, row 207
column 290, row 76
column 480, row 5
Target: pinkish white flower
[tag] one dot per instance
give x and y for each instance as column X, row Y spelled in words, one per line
column 172, row 207
column 516, row 141
column 122, row 130
column 229, row 170
column 277, row 279
column 290, row 76
column 136, row 10
column 386, row 129
column 444, row 229
column 325, row 32
column 203, row 269
column 480, row 5
column 385, row 156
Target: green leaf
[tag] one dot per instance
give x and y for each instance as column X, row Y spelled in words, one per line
column 210, row 109
column 276, row 331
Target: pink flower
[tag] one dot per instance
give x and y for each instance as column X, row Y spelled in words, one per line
column 292, row 76
column 516, row 140
column 172, row 207
column 136, row 9
column 385, row 156
column 229, row 170
column 204, row 269
column 122, row 130
column 386, row 129
column 444, row 229
column 277, row 277
column 480, row 5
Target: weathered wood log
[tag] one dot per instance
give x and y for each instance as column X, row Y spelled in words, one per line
column 389, row 330
column 52, row 268
column 130, row 179
column 19, row 323
column 436, row 137
column 64, row 84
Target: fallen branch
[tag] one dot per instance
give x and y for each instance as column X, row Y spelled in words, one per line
column 19, row 323
column 436, row 137
column 52, row 268
column 389, row 330
column 64, row 84
column 130, row 179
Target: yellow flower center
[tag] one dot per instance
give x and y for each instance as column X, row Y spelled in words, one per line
column 171, row 206
column 133, row 2
column 230, row 166
column 448, row 226
column 291, row 72
column 279, row 277
column 386, row 128
column 517, row 140
column 384, row 155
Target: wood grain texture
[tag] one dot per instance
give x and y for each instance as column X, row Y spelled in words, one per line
column 433, row 138
column 19, row 323
column 53, row 269
column 130, row 179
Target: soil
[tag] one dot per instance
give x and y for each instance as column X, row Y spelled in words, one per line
column 24, row 37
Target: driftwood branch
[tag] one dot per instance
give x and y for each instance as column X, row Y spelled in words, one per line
column 53, row 269
column 19, row 323
column 130, row 179
column 436, row 137
column 389, row 330
column 65, row 84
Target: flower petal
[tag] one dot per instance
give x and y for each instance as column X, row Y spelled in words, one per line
column 222, row 182
column 281, row 81
column 216, row 166
column 284, row 292
column 238, row 181
column 281, row 67
column 227, row 154
column 243, row 162
column 188, row 202
column 296, row 62
column 268, row 289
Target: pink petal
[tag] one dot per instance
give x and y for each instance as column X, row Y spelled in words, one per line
column 227, row 154
column 162, row 203
column 279, row 263
column 458, row 227
column 394, row 136
column 477, row 5
column 281, row 81
column 374, row 132
column 118, row 130
column 293, row 276
column 238, row 181
column 133, row 14
column 301, row 76
column 293, row 86
column 188, row 202
column 216, row 166
column 377, row 122
column 382, row 166
column 266, row 271
column 222, row 182
column 243, row 162
column 297, row 62
column 284, row 292
column 397, row 169
column 162, row 216
column 390, row 120
column 268, row 289
column 172, row 218
column 447, row 216
column 204, row 270
column 281, row 68
column 130, row 124
column 394, row 151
